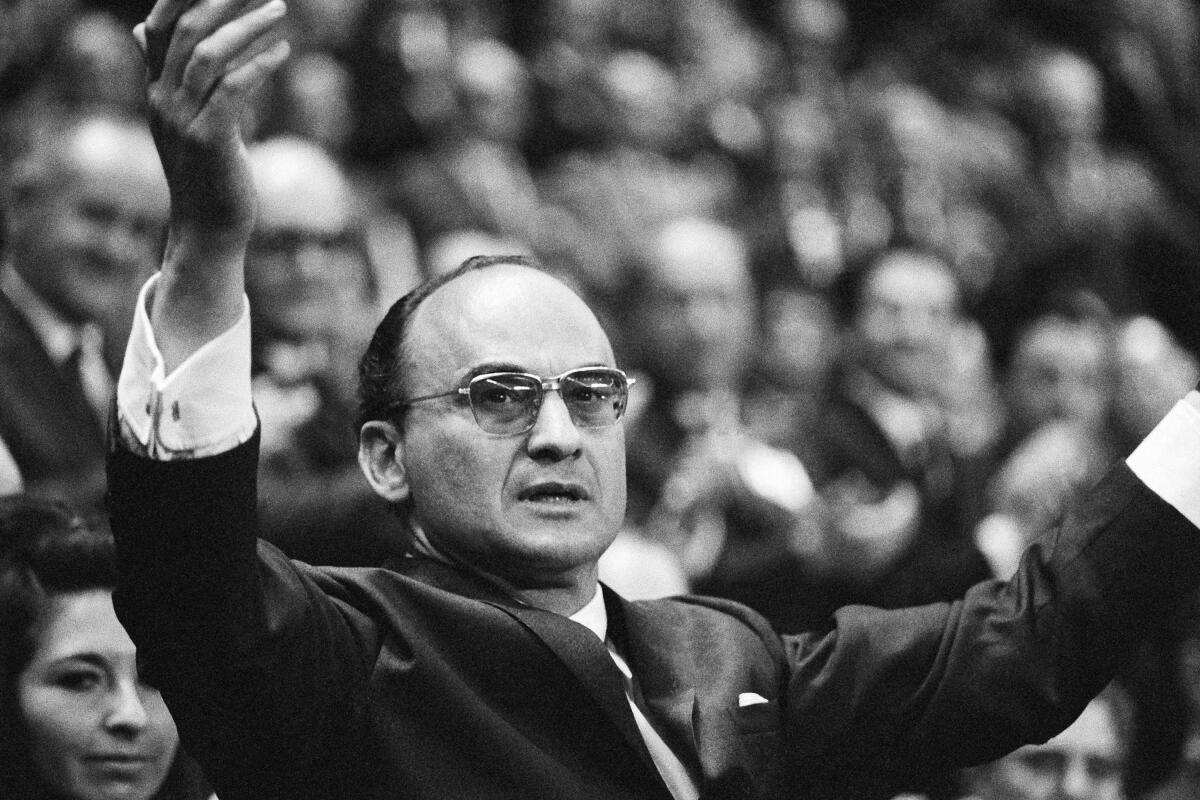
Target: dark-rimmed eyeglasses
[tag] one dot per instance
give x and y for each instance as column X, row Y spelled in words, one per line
column 507, row 403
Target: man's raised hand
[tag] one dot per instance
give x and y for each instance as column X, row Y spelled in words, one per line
column 204, row 61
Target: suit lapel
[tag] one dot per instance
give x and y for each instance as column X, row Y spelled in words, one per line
column 584, row 655
column 588, row 659
column 692, row 697
column 667, row 685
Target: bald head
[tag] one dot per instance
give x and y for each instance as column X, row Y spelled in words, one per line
column 387, row 366
column 697, row 254
column 694, row 305
column 308, row 274
column 298, row 183
column 54, row 148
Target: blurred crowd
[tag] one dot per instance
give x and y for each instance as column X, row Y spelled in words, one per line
column 896, row 280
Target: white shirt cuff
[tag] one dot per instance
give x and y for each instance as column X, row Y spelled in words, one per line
column 1168, row 460
column 202, row 408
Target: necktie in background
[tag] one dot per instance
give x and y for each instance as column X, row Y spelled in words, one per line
column 85, row 368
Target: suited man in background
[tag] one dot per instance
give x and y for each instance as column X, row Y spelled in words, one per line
column 889, row 431
column 85, row 208
column 490, row 662
column 312, row 291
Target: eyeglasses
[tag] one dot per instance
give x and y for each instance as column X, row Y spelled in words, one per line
column 507, row 403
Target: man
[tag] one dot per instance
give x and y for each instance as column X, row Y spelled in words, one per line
column 1062, row 367
column 311, row 287
column 86, row 205
column 888, row 432
column 731, row 505
column 456, row 672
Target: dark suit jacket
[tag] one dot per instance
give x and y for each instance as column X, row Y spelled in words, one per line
column 45, row 419
column 418, row 681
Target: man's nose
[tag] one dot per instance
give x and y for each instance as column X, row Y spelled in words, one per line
column 127, row 241
column 310, row 258
column 554, row 434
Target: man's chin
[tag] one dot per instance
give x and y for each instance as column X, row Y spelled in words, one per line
column 555, row 548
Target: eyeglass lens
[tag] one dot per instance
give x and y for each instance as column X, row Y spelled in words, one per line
column 509, row 402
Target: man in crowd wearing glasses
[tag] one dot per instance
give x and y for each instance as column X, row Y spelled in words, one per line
column 312, row 291
column 490, row 662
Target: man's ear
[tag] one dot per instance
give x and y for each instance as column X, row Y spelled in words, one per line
column 380, row 452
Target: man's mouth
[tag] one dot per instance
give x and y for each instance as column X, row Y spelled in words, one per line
column 553, row 493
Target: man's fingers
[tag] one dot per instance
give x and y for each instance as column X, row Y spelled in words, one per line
column 179, row 26
column 230, row 93
column 156, row 33
column 259, row 33
column 233, row 46
column 139, row 36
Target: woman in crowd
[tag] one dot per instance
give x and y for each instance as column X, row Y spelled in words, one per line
column 75, row 721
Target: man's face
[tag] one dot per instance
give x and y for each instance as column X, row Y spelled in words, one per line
column 306, row 273
column 536, row 508
column 698, row 319
column 91, row 231
column 1060, row 370
column 1081, row 763
column 906, row 315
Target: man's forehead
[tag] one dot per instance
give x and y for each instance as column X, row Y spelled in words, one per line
column 299, row 188
column 912, row 277
column 693, row 256
column 118, row 160
column 508, row 312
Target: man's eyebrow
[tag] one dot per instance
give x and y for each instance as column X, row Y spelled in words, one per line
column 493, row 366
column 507, row 366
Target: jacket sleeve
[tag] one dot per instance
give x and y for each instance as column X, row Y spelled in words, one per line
column 1013, row 662
column 261, row 668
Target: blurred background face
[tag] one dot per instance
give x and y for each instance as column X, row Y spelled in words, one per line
column 797, row 338
column 1153, row 372
column 306, row 273
column 644, row 100
column 812, row 25
column 495, row 90
column 698, row 320
column 1081, row 763
column 1069, row 94
column 95, row 732
column 97, row 62
column 906, row 314
column 87, row 220
column 316, row 98
column 1060, row 370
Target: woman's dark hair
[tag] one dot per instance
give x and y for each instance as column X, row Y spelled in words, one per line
column 47, row 549
column 381, row 370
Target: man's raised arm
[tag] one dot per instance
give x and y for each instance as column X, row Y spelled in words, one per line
column 185, row 384
column 203, row 60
